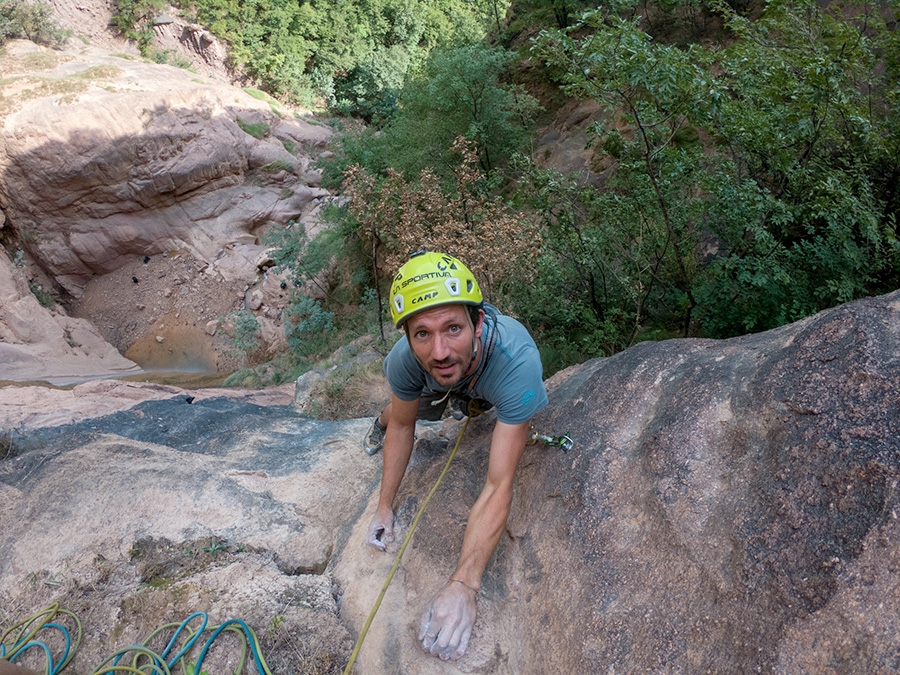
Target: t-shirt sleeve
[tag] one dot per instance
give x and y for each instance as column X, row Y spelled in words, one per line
column 522, row 392
column 404, row 374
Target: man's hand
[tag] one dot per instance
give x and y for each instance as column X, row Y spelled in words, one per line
column 447, row 622
column 381, row 529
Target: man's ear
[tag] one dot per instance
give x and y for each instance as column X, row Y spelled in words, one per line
column 479, row 326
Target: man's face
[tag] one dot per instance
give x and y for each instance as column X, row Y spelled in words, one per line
column 442, row 340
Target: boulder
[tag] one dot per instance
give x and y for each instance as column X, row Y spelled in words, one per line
column 729, row 507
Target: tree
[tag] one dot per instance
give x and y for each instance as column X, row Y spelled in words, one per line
column 30, row 20
column 462, row 91
column 633, row 244
column 768, row 151
column 134, row 18
column 394, row 216
column 802, row 115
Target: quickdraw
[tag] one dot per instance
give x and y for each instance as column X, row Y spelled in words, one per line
column 564, row 441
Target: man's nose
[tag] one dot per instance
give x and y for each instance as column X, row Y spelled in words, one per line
column 440, row 348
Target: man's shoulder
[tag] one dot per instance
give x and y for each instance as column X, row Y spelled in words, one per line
column 514, row 337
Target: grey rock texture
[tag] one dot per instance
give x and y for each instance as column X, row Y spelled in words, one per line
column 729, row 507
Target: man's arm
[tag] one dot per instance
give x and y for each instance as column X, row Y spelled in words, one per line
column 447, row 623
column 398, row 446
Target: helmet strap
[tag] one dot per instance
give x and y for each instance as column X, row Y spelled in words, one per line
column 475, row 343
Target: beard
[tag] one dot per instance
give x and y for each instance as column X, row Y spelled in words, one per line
column 447, row 372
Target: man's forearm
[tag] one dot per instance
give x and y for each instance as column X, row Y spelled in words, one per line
column 398, row 445
column 487, row 521
column 488, row 516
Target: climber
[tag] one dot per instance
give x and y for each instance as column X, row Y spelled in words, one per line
column 455, row 347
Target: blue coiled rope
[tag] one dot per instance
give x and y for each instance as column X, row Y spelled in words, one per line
column 24, row 633
column 143, row 661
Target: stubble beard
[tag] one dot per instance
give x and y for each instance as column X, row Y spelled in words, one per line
column 447, row 379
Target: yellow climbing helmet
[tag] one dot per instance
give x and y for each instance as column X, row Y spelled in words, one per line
column 429, row 280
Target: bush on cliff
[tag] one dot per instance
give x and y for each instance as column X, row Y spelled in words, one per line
column 29, row 20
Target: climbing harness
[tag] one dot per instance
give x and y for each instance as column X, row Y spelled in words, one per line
column 144, row 660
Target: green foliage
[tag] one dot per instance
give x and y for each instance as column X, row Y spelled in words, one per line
column 804, row 109
column 277, row 165
column 259, row 130
column 134, row 19
column 263, row 96
column 769, row 153
column 462, row 91
column 190, row 668
column 630, row 247
column 531, row 14
column 43, row 297
column 30, row 20
column 244, row 332
column 350, row 54
column 245, row 378
column 307, row 326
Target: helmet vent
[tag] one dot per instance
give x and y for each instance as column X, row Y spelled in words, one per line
column 453, row 286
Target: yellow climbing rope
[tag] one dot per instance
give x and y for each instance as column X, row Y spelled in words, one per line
column 412, row 528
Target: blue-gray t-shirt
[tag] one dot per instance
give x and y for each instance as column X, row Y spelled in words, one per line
column 511, row 379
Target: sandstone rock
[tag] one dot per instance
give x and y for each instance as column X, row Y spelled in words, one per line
column 36, row 343
column 138, row 159
column 729, row 506
column 253, row 300
column 240, row 539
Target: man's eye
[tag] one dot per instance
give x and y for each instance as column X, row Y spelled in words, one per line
column 455, row 329
column 421, row 335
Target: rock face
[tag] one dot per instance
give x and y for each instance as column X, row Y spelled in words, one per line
column 123, row 158
column 107, row 162
column 729, row 506
column 36, row 342
column 208, row 501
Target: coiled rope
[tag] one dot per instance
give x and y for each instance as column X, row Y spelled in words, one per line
column 412, row 528
column 144, row 661
column 24, row 633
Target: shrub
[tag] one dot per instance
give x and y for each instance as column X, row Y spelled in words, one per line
column 31, row 20
column 259, row 130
